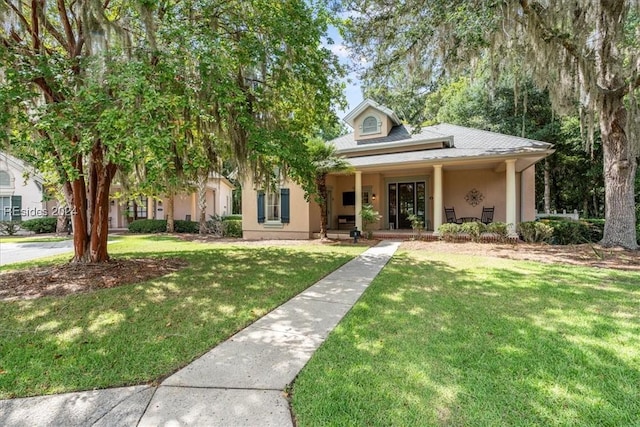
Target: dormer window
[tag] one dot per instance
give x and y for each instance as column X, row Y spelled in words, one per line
column 370, row 125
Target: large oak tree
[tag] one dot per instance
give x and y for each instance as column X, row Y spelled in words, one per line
column 586, row 53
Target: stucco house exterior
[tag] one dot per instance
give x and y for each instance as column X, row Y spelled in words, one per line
column 22, row 199
column 185, row 204
column 22, row 194
column 401, row 172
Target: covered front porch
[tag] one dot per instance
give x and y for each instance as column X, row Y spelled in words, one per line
column 400, row 192
column 403, row 235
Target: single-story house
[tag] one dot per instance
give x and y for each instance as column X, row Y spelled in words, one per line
column 22, row 194
column 402, row 172
column 185, row 204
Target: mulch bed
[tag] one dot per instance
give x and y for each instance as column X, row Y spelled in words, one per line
column 65, row 279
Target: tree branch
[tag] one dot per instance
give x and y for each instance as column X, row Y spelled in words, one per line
column 550, row 35
column 35, row 27
column 64, row 17
column 53, row 30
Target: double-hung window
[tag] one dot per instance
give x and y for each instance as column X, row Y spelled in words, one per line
column 273, row 206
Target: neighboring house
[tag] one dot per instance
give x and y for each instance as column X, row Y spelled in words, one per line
column 185, row 205
column 21, row 190
column 402, row 173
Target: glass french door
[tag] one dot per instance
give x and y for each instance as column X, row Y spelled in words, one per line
column 405, row 199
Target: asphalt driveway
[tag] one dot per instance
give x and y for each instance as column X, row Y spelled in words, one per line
column 16, row 252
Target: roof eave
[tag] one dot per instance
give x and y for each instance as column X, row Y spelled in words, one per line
column 447, row 160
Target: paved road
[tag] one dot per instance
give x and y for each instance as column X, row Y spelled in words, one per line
column 16, row 252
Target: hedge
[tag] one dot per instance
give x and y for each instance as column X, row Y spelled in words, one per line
column 181, row 226
column 147, row 226
column 40, row 225
column 232, row 228
column 563, row 231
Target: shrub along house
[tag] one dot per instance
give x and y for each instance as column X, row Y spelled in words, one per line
column 402, row 173
column 218, row 196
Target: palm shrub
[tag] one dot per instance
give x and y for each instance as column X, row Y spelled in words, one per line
column 535, row 231
column 500, row 229
column 369, row 216
column 569, row 232
column 9, row 228
column 417, row 224
column 449, row 232
column 474, row 229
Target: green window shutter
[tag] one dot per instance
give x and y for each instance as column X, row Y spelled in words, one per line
column 261, row 215
column 284, row 205
column 16, row 208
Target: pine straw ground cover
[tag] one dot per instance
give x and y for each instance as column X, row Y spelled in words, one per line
column 160, row 304
column 467, row 337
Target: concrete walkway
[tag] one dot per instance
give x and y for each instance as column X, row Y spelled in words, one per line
column 240, row 382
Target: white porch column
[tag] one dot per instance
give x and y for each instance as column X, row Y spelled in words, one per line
column 151, row 212
column 358, row 199
column 437, row 198
column 511, row 196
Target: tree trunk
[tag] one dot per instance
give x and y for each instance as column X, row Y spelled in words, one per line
column 619, row 174
column 202, row 203
column 321, row 184
column 90, row 211
column 169, row 213
column 547, row 186
column 79, row 215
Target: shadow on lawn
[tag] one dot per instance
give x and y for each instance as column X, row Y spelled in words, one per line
column 138, row 333
column 515, row 344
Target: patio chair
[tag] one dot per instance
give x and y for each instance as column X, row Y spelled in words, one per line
column 450, row 213
column 487, row 215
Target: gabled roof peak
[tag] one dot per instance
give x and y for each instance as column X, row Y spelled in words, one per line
column 349, row 118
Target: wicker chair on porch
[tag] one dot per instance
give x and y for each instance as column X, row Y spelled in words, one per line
column 450, row 213
column 487, row 215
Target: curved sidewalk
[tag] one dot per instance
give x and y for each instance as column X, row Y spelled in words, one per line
column 240, row 382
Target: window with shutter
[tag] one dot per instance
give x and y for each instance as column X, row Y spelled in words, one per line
column 16, row 208
column 285, row 205
column 261, row 216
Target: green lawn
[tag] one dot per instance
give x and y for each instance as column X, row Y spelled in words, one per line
column 143, row 332
column 441, row 339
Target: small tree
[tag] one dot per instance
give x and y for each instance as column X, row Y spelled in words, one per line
column 417, row 224
column 369, row 216
column 324, row 161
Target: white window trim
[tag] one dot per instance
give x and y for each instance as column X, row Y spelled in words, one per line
column 270, row 223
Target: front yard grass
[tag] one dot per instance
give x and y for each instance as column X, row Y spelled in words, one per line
column 140, row 333
column 442, row 339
